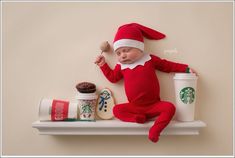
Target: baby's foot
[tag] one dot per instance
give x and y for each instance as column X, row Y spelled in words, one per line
column 153, row 134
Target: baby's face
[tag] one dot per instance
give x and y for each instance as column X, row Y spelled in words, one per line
column 128, row 55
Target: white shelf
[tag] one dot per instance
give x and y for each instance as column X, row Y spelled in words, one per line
column 114, row 127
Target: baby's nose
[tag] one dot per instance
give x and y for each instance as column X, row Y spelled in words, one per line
column 123, row 56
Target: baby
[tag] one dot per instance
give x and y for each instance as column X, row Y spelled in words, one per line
column 140, row 80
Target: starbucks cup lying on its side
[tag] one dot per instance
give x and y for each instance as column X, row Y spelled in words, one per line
column 87, row 105
column 57, row 110
column 185, row 95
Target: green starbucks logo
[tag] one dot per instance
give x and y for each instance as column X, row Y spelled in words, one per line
column 187, row 95
column 86, row 110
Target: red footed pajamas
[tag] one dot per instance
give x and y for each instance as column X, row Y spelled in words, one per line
column 142, row 90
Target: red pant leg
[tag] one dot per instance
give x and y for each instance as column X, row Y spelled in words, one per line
column 125, row 112
column 165, row 111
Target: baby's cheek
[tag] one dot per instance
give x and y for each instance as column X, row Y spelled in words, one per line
column 119, row 59
column 133, row 59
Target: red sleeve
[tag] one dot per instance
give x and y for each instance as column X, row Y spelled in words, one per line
column 167, row 66
column 112, row 75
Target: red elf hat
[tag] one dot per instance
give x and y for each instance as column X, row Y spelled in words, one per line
column 132, row 35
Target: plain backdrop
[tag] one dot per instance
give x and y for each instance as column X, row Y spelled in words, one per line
column 50, row 47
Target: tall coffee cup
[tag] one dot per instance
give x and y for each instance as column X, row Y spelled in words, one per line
column 185, row 95
column 86, row 105
column 87, row 100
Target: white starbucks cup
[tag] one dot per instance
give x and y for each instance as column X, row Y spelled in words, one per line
column 86, row 106
column 57, row 110
column 185, row 95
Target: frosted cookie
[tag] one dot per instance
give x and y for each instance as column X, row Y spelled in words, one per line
column 86, row 87
column 104, row 109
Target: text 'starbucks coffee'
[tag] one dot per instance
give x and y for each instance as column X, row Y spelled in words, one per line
column 57, row 110
column 185, row 95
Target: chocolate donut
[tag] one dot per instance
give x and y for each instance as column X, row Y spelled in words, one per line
column 86, row 87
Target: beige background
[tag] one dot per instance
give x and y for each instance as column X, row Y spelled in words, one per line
column 49, row 47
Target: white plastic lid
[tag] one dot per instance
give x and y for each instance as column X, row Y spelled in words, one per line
column 86, row 96
column 44, row 109
column 187, row 76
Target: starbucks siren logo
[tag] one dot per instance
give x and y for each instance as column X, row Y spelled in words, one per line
column 187, row 95
column 86, row 110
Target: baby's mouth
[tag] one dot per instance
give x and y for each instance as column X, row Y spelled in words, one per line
column 127, row 61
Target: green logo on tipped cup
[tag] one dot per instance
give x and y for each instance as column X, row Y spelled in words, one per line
column 187, row 95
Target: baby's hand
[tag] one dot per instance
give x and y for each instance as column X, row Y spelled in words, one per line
column 100, row 60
